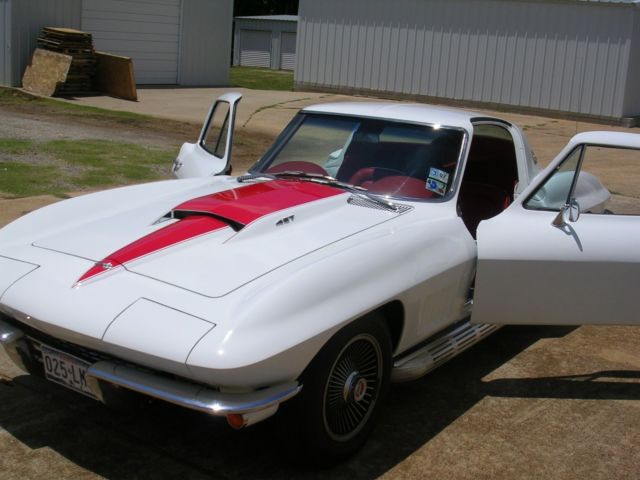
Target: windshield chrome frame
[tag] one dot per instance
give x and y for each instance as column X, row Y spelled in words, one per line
column 298, row 120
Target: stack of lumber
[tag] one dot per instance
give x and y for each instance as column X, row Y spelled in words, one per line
column 65, row 63
column 47, row 71
column 79, row 46
column 115, row 76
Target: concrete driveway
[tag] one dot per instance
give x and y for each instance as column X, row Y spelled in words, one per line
column 266, row 111
column 269, row 112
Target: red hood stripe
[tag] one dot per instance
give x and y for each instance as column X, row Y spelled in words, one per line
column 185, row 229
column 246, row 204
column 240, row 205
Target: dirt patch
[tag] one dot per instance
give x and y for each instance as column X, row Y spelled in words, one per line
column 77, row 120
column 45, row 126
column 10, row 209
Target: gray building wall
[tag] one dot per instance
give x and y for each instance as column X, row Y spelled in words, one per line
column 288, row 50
column 205, row 36
column 276, row 28
column 148, row 31
column 205, row 46
column 5, row 42
column 632, row 99
column 553, row 55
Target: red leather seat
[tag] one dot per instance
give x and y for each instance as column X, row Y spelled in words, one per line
column 362, row 176
column 479, row 201
column 401, row 186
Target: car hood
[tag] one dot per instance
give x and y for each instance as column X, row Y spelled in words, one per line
column 212, row 242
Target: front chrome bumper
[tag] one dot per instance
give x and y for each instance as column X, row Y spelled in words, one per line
column 188, row 395
column 250, row 407
column 15, row 344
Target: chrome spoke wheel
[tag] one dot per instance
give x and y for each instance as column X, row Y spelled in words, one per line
column 353, row 387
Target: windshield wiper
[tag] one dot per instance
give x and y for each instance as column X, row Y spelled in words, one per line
column 320, row 178
column 334, row 182
column 254, row 176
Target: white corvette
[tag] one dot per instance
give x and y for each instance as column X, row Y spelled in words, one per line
column 357, row 251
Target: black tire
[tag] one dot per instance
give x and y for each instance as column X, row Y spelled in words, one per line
column 343, row 391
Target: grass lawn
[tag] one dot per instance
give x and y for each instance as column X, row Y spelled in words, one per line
column 38, row 166
column 58, row 166
column 43, row 166
column 261, row 78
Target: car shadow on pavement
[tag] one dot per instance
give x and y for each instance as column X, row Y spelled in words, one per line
column 603, row 385
column 162, row 441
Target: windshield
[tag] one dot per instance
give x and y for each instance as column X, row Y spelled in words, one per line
column 381, row 156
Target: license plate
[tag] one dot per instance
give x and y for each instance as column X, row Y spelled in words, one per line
column 66, row 370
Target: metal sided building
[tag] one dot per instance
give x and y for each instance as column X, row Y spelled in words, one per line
column 184, row 42
column 267, row 41
column 577, row 58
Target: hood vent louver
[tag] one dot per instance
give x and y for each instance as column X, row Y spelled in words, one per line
column 360, row 201
column 182, row 214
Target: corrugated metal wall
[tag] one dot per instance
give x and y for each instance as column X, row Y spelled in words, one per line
column 205, row 46
column 5, row 42
column 28, row 18
column 563, row 56
column 632, row 99
column 251, row 33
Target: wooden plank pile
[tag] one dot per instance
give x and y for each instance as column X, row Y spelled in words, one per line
column 79, row 46
column 46, row 72
column 115, row 76
column 65, row 63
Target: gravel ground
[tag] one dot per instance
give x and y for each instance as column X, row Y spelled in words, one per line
column 27, row 127
column 527, row 403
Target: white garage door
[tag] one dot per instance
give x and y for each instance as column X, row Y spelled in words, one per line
column 147, row 31
column 255, row 48
column 288, row 51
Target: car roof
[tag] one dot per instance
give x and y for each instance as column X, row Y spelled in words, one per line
column 411, row 112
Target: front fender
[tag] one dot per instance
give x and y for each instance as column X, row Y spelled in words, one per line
column 279, row 323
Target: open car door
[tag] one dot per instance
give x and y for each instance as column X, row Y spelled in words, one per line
column 211, row 155
column 567, row 251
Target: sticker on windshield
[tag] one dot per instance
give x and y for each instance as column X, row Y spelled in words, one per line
column 439, row 175
column 437, row 181
column 436, row 186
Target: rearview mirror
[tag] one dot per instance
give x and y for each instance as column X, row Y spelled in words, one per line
column 570, row 212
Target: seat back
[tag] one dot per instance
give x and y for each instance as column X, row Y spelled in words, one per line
column 479, row 201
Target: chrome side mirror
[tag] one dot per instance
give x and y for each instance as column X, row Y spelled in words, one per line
column 570, row 212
